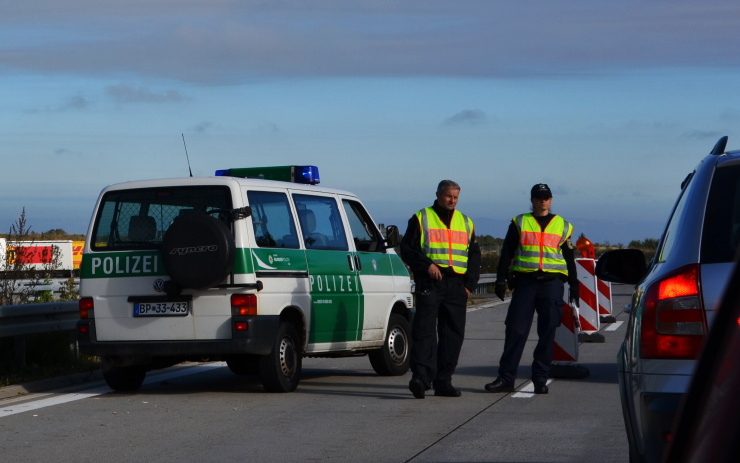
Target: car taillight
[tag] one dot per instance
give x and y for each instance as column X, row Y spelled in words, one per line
column 243, row 304
column 674, row 324
column 85, row 307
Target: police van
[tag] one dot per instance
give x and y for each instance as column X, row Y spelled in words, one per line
column 257, row 267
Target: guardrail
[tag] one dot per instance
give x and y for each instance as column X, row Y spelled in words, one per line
column 19, row 320
column 483, row 282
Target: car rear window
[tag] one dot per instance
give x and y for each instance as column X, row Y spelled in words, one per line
column 138, row 219
column 721, row 230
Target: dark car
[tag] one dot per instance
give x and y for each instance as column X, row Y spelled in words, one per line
column 708, row 428
column 675, row 299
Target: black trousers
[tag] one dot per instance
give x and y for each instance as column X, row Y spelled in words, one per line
column 438, row 331
column 530, row 295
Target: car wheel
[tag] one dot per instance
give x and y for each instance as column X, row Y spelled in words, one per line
column 124, row 379
column 280, row 370
column 393, row 358
column 243, row 364
column 198, row 251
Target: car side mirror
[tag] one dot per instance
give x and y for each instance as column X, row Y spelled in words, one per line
column 392, row 236
column 622, row 266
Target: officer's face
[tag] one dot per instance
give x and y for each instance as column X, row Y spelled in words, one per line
column 448, row 198
column 540, row 206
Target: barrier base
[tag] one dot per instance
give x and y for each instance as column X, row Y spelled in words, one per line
column 568, row 371
column 591, row 337
column 606, row 319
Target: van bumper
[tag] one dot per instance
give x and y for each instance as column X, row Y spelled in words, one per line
column 257, row 339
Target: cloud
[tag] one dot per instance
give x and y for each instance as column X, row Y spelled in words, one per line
column 76, row 102
column 236, row 42
column 202, row 127
column 702, row 134
column 468, row 117
column 125, row 94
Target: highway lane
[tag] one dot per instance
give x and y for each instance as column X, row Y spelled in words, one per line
column 341, row 412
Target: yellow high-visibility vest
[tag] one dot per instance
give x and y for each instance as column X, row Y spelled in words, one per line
column 446, row 247
column 540, row 249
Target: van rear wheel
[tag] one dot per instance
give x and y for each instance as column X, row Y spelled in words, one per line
column 394, row 357
column 280, row 370
column 124, row 379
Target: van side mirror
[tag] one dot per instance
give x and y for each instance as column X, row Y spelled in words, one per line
column 622, row 266
column 392, row 236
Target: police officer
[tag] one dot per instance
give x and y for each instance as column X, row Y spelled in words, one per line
column 441, row 250
column 537, row 258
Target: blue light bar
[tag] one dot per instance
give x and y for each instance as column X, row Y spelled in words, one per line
column 296, row 174
column 307, row 174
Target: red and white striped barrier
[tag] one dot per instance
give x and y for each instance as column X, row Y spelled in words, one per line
column 605, row 297
column 566, row 335
column 589, row 309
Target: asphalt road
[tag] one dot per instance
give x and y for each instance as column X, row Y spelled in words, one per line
column 341, row 412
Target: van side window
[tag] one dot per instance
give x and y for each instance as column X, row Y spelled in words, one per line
column 364, row 234
column 321, row 224
column 272, row 220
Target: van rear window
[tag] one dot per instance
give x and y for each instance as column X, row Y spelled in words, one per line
column 721, row 235
column 138, row 219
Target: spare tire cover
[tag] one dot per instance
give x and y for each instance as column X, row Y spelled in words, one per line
column 198, row 251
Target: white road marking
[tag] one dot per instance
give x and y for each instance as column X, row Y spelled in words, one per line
column 527, row 391
column 100, row 390
column 613, row 326
column 487, row 305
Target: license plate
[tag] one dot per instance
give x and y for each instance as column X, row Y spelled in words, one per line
column 159, row 309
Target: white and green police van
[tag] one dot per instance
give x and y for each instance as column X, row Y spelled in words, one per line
column 257, row 267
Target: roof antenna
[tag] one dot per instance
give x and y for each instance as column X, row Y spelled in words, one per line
column 186, row 153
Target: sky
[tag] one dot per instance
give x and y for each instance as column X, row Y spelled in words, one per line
column 610, row 103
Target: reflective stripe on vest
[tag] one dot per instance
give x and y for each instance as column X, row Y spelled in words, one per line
column 446, row 247
column 540, row 249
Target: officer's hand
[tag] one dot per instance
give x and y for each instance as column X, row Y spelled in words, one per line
column 573, row 296
column 501, row 289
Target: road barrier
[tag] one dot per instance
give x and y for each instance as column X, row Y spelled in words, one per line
column 589, row 306
column 595, row 306
column 19, row 320
column 566, row 335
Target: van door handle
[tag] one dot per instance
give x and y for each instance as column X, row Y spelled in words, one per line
column 358, row 263
column 350, row 262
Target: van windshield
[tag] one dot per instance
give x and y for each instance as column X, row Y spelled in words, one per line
column 139, row 219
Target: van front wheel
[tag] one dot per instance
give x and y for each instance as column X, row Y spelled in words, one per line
column 280, row 370
column 394, row 357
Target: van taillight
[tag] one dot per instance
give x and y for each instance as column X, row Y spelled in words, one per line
column 86, row 307
column 674, row 324
column 243, row 304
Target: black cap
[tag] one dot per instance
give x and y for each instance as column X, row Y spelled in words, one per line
column 541, row 190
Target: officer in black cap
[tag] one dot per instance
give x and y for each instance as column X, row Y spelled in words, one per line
column 537, row 258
